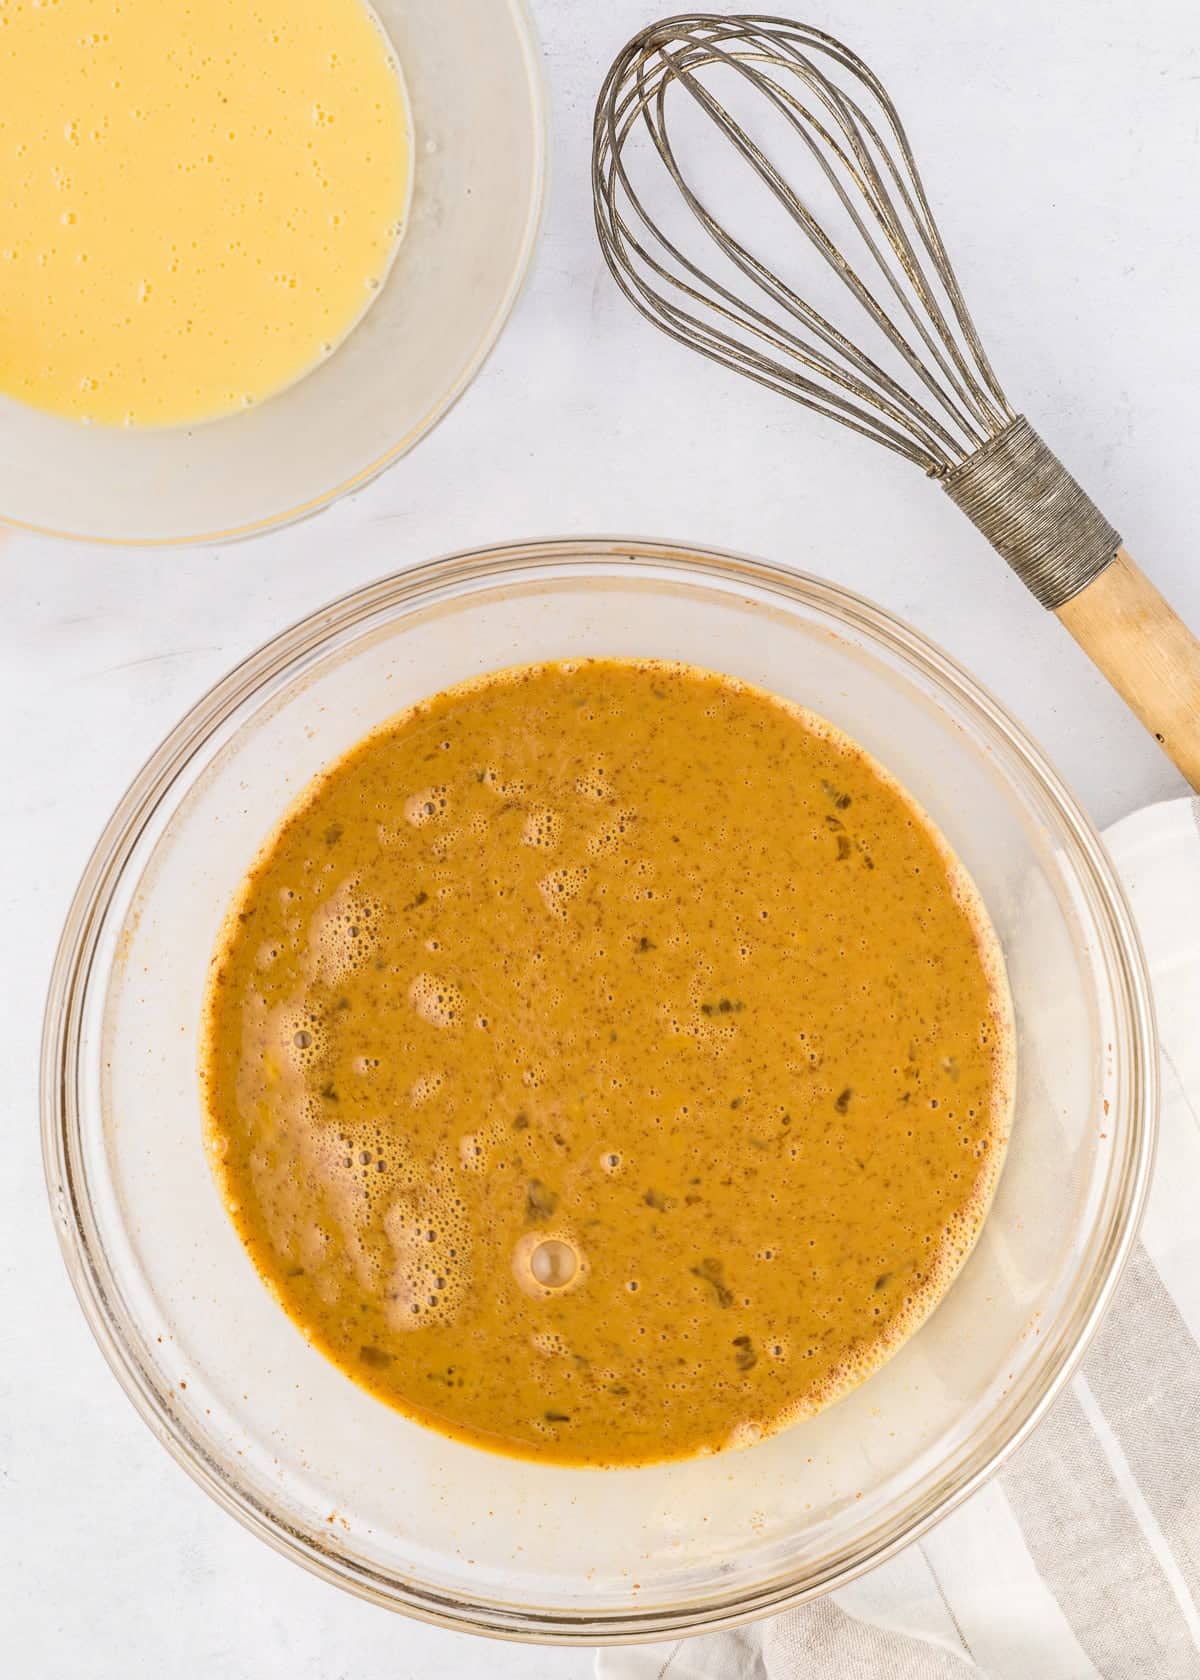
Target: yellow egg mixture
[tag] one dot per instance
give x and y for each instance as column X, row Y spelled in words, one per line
column 197, row 201
column 607, row 1062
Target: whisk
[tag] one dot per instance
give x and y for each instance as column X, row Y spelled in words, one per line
column 927, row 391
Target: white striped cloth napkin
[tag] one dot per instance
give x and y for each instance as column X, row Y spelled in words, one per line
column 1081, row 1561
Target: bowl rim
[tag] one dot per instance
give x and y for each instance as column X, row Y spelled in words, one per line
column 61, row 1111
column 529, row 43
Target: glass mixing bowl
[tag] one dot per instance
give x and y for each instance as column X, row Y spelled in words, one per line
column 402, row 1515
column 472, row 72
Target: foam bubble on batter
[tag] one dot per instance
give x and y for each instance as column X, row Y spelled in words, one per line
column 477, row 1148
column 429, row 806
column 438, row 1001
column 344, row 932
column 611, row 835
column 542, row 1255
column 716, row 1034
column 472, row 1152
column 430, row 1274
column 593, row 782
column 332, row 1155
column 747, row 1432
column 561, row 886
column 302, row 1037
column 553, row 1263
column 504, row 787
column 543, row 828
column 425, row 1086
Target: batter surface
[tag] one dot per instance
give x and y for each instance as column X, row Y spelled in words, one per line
column 607, row 1062
column 198, row 200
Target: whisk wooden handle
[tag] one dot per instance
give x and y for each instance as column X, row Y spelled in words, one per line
column 1040, row 519
column 1147, row 653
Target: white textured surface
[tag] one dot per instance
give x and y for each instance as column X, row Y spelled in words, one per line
column 1061, row 148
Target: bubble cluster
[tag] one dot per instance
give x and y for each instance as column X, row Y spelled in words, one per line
column 612, row 835
column 438, row 1001
column 430, row 1239
column 543, row 828
column 504, row 787
column 593, row 782
column 344, row 932
column 426, row 1086
column 561, row 886
column 302, row 1037
column 431, row 805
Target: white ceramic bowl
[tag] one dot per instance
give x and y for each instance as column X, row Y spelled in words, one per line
column 472, row 71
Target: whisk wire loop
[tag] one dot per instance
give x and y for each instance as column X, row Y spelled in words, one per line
column 770, row 283
column 939, row 404
column 881, row 195
column 859, row 165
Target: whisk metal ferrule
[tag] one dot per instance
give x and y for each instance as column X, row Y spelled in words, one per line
column 1016, row 491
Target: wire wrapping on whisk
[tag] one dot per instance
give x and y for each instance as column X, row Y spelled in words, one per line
column 942, row 407
column 1019, row 494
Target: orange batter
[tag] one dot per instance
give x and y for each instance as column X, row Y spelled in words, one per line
column 607, row 1062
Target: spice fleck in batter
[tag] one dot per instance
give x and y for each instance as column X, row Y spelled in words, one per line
column 607, row 1062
